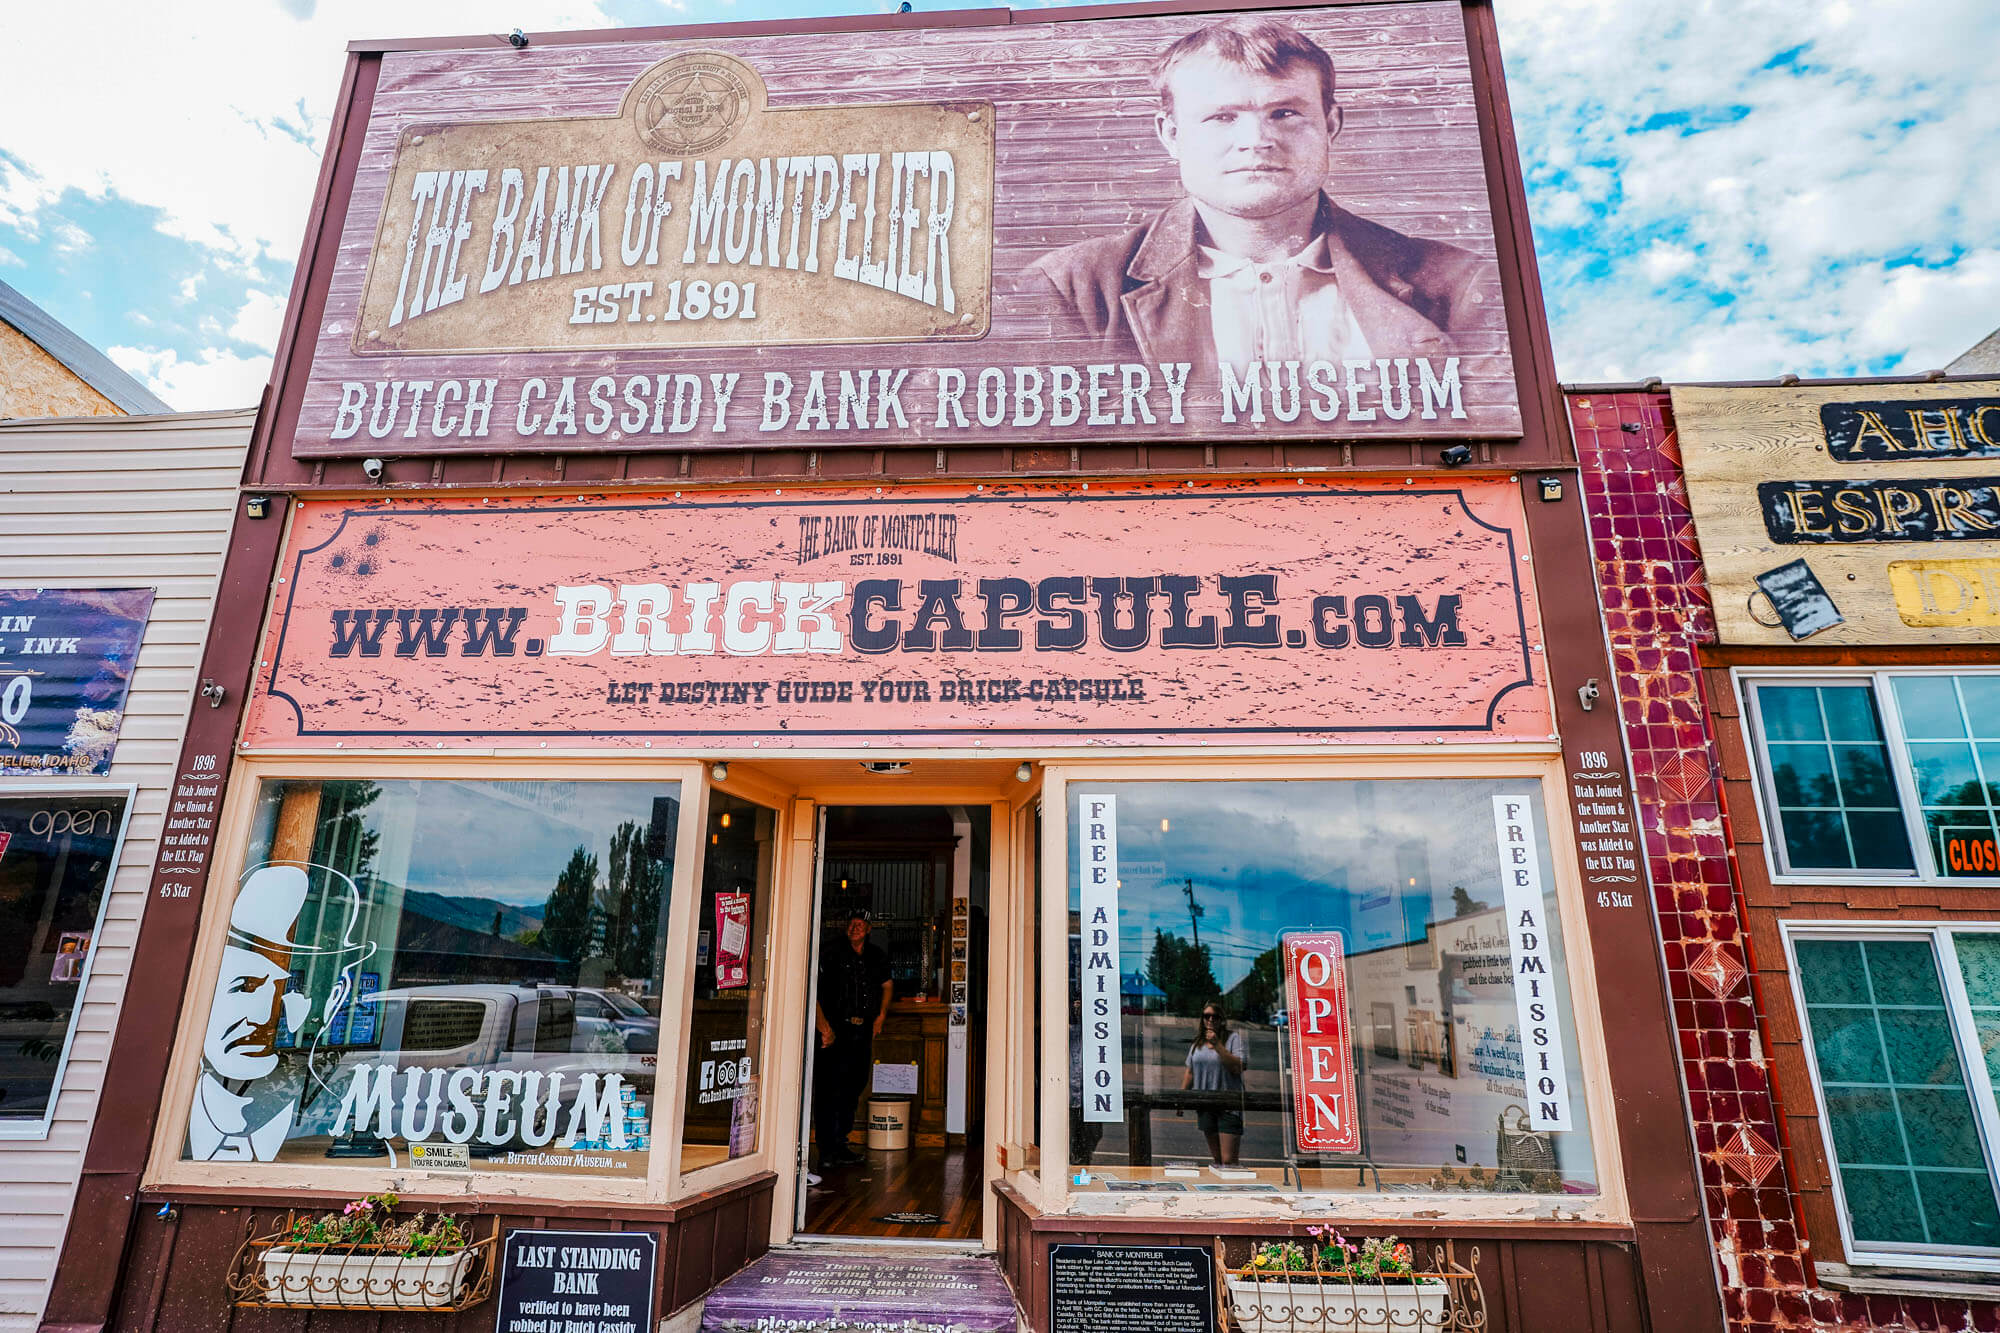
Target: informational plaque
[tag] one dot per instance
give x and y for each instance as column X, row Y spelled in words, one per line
column 1131, row 1289
column 578, row 1282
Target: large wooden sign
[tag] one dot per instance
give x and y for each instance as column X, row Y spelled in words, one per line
column 965, row 235
column 1253, row 613
column 1858, row 513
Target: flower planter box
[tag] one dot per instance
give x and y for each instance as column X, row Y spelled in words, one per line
column 1329, row 1303
column 360, row 1278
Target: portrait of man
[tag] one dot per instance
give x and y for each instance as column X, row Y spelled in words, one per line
column 1258, row 261
column 240, row 1112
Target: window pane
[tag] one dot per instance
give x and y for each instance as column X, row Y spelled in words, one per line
column 1830, row 972
column 1979, row 968
column 1905, row 1136
column 428, row 962
column 1836, row 802
column 1981, row 695
column 1790, row 713
column 1880, row 839
column 1945, row 774
column 57, row 865
column 1209, row 877
column 725, row 1040
column 1866, row 1129
column 1929, row 705
column 1959, row 1207
column 1864, row 776
column 1883, row 1205
column 1803, row 775
column 1850, row 713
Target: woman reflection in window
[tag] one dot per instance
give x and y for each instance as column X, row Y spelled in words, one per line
column 1215, row 1064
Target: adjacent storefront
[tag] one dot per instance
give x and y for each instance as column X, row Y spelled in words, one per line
column 1817, row 598
column 728, row 492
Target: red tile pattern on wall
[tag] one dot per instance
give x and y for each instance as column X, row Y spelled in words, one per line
column 1656, row 614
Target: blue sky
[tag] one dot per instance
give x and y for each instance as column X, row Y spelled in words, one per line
column 1721, row 189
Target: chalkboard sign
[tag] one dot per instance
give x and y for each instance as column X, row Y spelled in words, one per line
column 1800, row 600
column 578, row 1282
column 1131, row 1289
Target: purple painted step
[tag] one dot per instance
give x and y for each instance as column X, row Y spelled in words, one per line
column 792, row 1292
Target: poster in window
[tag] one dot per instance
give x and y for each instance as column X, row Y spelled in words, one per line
column 732, row 940
column 66, row 659
column 60, row 849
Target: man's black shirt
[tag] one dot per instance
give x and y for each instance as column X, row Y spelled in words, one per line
column 850, row 983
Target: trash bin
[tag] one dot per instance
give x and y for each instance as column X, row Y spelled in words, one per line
column 889, row 1124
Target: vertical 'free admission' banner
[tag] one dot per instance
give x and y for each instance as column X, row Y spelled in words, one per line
column 1099, row 978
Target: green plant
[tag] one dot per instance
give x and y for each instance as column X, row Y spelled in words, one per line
column 371, row 1221
column 1381, row 1259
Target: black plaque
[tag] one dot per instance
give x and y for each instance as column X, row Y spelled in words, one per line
column 1800, row 599
column 1916, row 509
column 1891, row 432
column 1131, row 1289
column 578, row 1282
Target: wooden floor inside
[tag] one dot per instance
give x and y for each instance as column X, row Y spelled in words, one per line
column 945, row 1181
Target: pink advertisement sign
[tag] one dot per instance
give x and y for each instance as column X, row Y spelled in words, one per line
column 1080, row 614
column 732, row 940
column 1036, row 228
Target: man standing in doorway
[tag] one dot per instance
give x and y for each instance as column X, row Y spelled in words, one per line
column 854, row 995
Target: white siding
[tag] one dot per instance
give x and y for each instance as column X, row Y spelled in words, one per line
column 111, row 502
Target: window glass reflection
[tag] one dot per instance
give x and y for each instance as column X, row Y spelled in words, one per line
column 1210, row 878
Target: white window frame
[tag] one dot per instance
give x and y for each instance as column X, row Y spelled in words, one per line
column 1927, row 872
column 27, row 1127
column 1978, row 1081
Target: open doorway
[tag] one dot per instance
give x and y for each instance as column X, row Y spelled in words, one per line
column 897, row 1090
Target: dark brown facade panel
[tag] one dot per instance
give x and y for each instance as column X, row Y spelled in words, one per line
column 1536, row 1279
column 179, row 1261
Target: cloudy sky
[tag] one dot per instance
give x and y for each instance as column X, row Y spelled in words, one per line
column 1720, row 188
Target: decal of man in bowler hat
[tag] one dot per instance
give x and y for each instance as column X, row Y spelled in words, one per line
column 239, row 1114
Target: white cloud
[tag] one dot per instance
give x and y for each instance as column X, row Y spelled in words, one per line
column 1774, row 168
column 257, row 323
column 210, row 108
column 214, row 379
column 9, row 258
column 69, row 239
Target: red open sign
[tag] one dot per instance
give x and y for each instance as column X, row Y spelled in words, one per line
column 1322, row 1059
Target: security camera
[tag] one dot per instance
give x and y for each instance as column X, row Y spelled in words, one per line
column 517, row 39
column 371, row 468
column 1456, row 456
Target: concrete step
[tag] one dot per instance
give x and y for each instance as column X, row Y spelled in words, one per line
column 876, row 1290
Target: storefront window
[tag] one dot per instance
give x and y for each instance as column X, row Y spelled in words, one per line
column 448, row 974
column 725, row 1035
column 1328, row 985
column 57, row 855
column 1903, row 1068
column 1846, row 799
